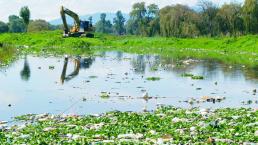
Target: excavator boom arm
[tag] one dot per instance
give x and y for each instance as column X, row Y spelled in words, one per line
column 72, row 14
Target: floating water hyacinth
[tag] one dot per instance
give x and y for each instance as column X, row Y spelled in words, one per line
column 166, row 125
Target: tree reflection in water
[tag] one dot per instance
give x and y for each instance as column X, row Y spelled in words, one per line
column 25, row 72
column 139, row 64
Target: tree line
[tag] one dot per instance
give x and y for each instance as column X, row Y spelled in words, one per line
column 231, row 19
column 22, row 23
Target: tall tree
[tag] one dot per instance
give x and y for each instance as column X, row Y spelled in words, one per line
column 153, row 19
column 209, row 25
column 103, row 25
column 229, row 18
column 3, row 27
column 16, row 24
column 143, row 20
column 137, row 19
column 25, row 15
column 178, row 21
column 119, row 23
column 250, row 15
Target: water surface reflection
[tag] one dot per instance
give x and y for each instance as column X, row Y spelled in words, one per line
column 75, row 84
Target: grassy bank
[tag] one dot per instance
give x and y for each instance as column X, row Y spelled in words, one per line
column 7, row 54
column 240, row 50
column 165, row 125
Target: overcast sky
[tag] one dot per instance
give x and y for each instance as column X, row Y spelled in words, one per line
column 49, row 9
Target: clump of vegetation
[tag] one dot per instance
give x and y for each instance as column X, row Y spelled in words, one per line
column 154, row 68
column 7, row 54
column 194, row 77
column 197, row 77
column 166, row 125
column 187, row 75
column 153, row 78
column 26, row 117
column 93, row 77
column 104, row 95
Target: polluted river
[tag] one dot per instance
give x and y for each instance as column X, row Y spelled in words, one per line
column 114, row 80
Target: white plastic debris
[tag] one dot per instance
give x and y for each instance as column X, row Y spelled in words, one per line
column 76, row 136
column 49, row 129
column 192, row 129
column 176, row 120
column 153, row 132
column 130, row 136
column 94, row 126
column 69, row 135
column 235, row 117
column 21, row 127
column 24, row 136
column 3, row 122
column 160, row 141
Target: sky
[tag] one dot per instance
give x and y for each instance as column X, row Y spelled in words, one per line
column 49, row 9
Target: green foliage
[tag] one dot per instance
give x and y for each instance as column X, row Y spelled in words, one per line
column 16, row 24
column 3, row 27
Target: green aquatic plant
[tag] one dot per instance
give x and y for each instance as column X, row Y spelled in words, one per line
column 187, row 75
column 104, row 95
column 194, row 77
column 197, row 77
column 93, row 77
column 153, row 78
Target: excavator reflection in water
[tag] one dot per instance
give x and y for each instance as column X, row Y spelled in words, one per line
column 79, row 63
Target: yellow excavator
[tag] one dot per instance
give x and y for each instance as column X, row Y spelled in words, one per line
column 80, row 28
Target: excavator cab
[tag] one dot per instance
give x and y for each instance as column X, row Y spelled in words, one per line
column 80, row 28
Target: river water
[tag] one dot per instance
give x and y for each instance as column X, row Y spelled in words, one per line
column 76, row 85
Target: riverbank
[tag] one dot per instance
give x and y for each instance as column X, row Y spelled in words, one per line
column 164, row 125
column 240, row 50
